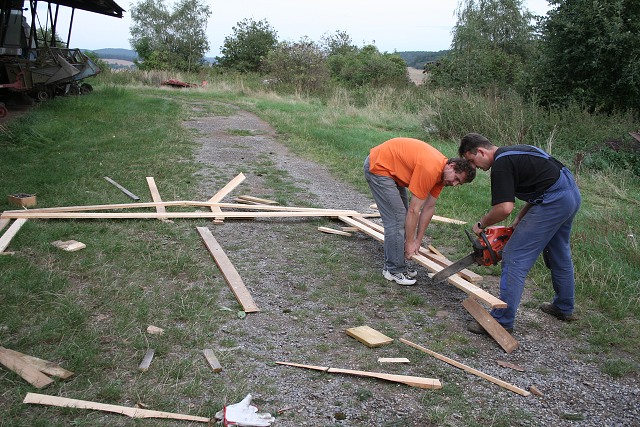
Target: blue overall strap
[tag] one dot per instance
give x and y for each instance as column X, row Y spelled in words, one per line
column 538, row 153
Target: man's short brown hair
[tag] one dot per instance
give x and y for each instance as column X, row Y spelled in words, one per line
column 470, row 143
column 463, row 165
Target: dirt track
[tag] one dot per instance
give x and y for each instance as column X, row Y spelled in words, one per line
column 301, row 279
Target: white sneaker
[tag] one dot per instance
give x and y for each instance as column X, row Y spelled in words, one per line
column 399, row 278
column 411, row 273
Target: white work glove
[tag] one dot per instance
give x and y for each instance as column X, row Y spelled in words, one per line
column 244, row 414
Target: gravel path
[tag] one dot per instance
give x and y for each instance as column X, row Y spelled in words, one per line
column 304, row 314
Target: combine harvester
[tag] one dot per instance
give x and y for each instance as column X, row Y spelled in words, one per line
column 32, row 64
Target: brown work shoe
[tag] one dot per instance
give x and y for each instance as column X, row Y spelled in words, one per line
column 551, row 309
column 477, row 328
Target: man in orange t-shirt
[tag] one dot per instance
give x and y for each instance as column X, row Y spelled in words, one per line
column 390, row 169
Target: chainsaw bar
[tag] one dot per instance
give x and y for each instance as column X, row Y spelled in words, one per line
column 454, row 268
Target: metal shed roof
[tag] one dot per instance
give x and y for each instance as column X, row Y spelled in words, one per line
column 103, row 7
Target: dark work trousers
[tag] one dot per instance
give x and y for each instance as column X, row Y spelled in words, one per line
column 546, row 225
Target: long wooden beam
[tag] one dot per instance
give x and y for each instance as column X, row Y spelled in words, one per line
column 491, row 325
column 438, row 258
column 146, row 215
column 430, row 383
column 228, row 271
column 43, row 399
column 455, row 280
column 155, row 194
column 434, row 217
column 473, row 371
column 176, row 203
column 10, row 233
column 231, row 185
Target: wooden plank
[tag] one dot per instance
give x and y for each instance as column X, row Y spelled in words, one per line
column 43, row 399
column 333, row 231
column 176, row 203
column 228, row 271
column 69, row 245
column 155, row 194
column 439, row 259
column 473, row 371
column 258, row 200
column 10, row 233
column 369, row 336
column 26, row 370
column 154, row 215
column 4, row 222
column 393, row 360
column 231, row 185
column 299, row 365
column 433, row 218
column 428, row 383
column 447, row 220
column 462, row 284
column 212, row 360
column 44, row 366
column 434, row 250
column 412, row 381
column 455, row 280
column 121, row 188
column 248, row 202
column 445, row 262
column 491, row 325
column 146, row 361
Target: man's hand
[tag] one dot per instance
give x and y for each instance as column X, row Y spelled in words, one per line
column 411, row 249
column 476, row 229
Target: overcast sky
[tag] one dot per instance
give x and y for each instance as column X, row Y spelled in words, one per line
column 400, row 25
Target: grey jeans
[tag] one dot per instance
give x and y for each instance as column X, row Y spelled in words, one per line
column 392, row 201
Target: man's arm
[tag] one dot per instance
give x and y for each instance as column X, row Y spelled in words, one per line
column 418, row 218
column 496, row 214
column 521, row 214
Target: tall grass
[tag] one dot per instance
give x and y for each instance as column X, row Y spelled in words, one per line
column 573, row 134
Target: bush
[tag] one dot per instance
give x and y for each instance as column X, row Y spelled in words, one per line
column 301, row 66
column 368, row 67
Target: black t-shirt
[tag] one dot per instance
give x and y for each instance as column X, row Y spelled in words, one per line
column 524, row 176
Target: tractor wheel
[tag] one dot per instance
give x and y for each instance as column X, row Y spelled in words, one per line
column 3, row 110
column 86, row 88
column 74, row 89
column 44, row 94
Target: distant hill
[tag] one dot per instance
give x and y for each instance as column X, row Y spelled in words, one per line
column 418, row 59
column 127, row 54
column 111, row 53
column 415, row 59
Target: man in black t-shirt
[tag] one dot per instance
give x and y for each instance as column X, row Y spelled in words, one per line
column 552, row 200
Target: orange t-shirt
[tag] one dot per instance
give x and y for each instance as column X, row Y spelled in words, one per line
column 411, row 163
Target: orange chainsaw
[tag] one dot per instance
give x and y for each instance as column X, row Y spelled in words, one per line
column 487, row 250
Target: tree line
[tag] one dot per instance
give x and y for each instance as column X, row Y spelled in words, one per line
column 584, row 51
